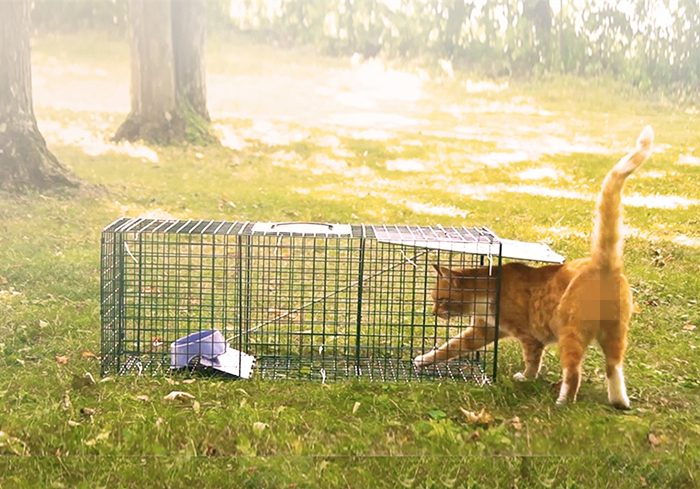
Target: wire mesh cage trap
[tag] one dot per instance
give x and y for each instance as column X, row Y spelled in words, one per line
column 306, row 300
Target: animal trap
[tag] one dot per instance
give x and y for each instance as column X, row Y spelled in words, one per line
column 306, row 300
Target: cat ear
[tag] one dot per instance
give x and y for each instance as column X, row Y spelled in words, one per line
column 442, row 271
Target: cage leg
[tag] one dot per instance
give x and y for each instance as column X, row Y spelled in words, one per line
column 472, row 338
column 532, row 354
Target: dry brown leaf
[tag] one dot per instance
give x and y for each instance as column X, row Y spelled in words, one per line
column 3, row 280
column 642, row 481
column 87, row 412
column 689, row 327
column 65, row 402
column 62, row 359
column 196, row 407
column 482, row 418
column 150, row 290
column 178, row 395
column 653, row 440
column 88, row 354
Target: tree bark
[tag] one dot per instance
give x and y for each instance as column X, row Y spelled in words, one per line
column 25, row 161
column 155, row 111
column 168, row 91
column 189, row 24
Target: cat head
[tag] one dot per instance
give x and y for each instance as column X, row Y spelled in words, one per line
column 462, row 292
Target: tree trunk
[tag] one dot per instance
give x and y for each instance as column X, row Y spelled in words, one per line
column 155, row 112
column 168, row 95
column 25, row 161
column 189, row 23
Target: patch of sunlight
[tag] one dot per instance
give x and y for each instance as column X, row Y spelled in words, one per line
column 373, row 120
column 481, row 192
column 654, row 174
column 433, row 210
column 686, row 159
column 273, row 134
column 484, row 86
column 138, row 211
column 301, row 190
column 372, row 81
column 689, row 241
column 328, row 141
column 92, row 143
column 482, row 106
column 561, row 231
column 405, row 165
column 658, row 201
column 228, row 137
column 498, row 159
column 330, row 165
column 281, row 157
column 540, row 174
column 334, row 142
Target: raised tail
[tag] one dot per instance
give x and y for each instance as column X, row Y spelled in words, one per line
column 607, row 230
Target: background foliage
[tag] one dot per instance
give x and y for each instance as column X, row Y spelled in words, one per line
column 648, row 43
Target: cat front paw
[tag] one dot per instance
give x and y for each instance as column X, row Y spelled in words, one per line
column 520, row 377
column 421, row 361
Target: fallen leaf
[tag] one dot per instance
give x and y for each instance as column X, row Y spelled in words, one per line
column 43, row 324
column 482, row 418
column 516, row 424
column 3, row 280
column 143, row 398
column 642, row 481
column 210, row 450
column 73, row 423
column 259, row 427
column 651, row 303
column 178, row 395
column 150, row 290
column 88, row 354
column 356, row 407
column 62, row 359
column 689, row 327
column 107, row 379
column 87, row 412
column 189, row 381
column 653, row 440
column 65, row 402
column 196, row 407
column 159, row 422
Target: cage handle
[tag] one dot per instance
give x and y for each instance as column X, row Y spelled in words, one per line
column 303, row 223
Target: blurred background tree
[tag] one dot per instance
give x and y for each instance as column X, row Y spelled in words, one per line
column 651, row 44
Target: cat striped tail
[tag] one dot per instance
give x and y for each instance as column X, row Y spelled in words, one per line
column 607, row 230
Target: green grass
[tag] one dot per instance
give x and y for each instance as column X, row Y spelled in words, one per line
column 289, row 434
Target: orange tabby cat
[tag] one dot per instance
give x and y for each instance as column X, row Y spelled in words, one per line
column 571, row 304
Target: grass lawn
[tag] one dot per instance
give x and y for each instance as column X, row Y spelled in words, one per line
column 310, row 138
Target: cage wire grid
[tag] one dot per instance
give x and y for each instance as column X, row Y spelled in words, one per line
column 309, row 301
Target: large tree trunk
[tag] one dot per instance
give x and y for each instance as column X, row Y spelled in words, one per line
column 168, row 96
column 189, row 34
column 25, row 161
column 155, row 112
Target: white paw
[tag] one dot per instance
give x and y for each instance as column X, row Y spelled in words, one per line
column 520, row 377
column 421, row 361
column 561, row 402
column 620, row 403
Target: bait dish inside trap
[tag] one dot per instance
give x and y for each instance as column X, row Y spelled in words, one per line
column 306, row 300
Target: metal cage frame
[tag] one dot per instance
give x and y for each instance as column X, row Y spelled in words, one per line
column 307, row 300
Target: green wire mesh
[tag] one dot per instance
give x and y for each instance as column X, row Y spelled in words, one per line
column 309, row 301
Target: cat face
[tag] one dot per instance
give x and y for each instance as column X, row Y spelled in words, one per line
column 461, row 292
